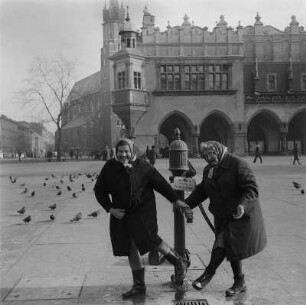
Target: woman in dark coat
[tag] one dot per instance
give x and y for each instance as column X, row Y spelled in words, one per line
column 230, row 185
column 131, row 182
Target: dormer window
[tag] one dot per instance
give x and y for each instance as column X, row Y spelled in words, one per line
column 271, row 82
column 303, row 82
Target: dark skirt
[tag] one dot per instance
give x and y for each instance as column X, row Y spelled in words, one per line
column 129, row 228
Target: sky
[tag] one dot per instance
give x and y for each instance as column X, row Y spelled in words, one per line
column 44, row 28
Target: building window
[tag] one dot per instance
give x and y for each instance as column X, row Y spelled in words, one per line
column 121, row 80
column 137, row 80
column 170, row 77
column 303, row 82
column 192, row 77
column 218, row 77
column 271, row 82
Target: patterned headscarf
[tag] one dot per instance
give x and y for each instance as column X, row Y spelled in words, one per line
column 130, row 144
column 216, row 148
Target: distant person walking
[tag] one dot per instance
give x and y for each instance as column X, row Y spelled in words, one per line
column 19, row 155
column 296, row 154
column 147, row 151
column 257, row 154
column 152, row 155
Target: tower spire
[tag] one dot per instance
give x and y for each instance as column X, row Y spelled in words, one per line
column 127, row 19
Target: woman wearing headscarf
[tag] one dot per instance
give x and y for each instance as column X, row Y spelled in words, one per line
column 229, row 184
column 125, row 189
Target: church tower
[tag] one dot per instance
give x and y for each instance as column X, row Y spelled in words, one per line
column 113, row 21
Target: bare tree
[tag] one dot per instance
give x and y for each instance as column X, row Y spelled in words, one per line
column 47, row 89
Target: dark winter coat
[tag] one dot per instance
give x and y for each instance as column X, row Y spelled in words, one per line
column 132, row 189
column 233, row 183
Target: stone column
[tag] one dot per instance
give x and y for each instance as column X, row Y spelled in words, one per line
column 195, row 143
column 238, row 146
column 283, row 138
column 283, row 143
column 303, row 148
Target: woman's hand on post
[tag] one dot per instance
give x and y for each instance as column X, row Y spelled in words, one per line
column 239, row 212
column 117, row 213
column 181, row 204
column 185, row 209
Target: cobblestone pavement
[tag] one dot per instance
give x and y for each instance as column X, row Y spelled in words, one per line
column 62, row 262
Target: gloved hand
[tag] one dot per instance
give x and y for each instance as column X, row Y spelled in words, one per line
column 239, row 212
column 189, row 215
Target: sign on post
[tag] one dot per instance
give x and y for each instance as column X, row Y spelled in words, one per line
column 184, row 184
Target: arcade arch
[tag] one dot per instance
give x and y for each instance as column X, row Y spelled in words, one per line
column 169, row 123
column 216, row 127
column 297, row 131
column 264, row 129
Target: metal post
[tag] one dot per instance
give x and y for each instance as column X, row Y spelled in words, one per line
column 178, row 161
column 179, row 229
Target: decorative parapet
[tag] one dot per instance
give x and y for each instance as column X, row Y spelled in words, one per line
column 263, row 98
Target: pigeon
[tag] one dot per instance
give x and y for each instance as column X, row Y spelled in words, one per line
column 57, row 187
column 47, row 178
column 27, row 219
column 77, row 217
column 14, row 180
column 52, row 217
column 75, row 195
column 22, row 210
column 296, row 185
column 33, row 194
column 61, row 181
column 59, row 193
column 95, row 213
column 52, row 175
column 52, row 206
column 25, row 191
column 68, row 188
column 22, row 185
column 302, row 191
column 83, row 188
column 44, row 184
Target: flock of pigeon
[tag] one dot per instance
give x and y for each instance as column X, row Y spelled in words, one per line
column 75, row 194
column 298, row 186
column 59, row 186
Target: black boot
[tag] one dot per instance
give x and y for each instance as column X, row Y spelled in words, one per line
column 139, row 287
column 179, row 263
column 238, row 287
column 202, row 281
